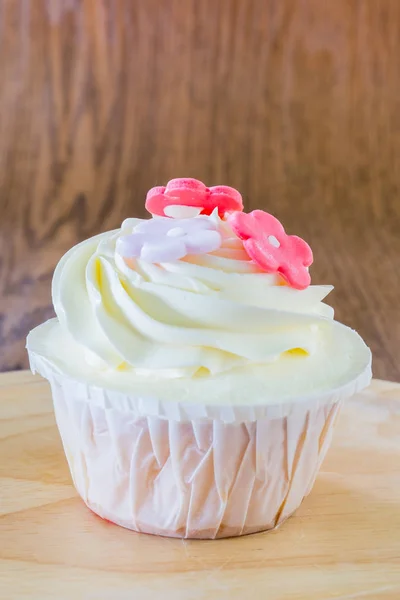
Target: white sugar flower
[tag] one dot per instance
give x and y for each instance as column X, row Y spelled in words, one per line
column 164, row 240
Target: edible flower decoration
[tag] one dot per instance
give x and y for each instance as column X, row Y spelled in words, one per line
column 268, row 245
column 164, row 240
column 187, row 192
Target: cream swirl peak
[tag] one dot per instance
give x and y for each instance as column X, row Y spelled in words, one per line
column 206, row 310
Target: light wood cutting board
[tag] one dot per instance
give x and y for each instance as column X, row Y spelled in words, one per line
column 343, row 543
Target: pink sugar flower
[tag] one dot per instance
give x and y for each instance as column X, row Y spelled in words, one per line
column 193, row 193
column 266, row 242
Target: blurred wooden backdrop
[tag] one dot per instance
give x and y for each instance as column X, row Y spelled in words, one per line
column 294, row 102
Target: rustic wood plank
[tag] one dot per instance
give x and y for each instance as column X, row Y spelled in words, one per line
column 296, row 103
column 343, row 543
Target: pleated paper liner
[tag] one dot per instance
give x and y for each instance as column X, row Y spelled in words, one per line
column 191, row 470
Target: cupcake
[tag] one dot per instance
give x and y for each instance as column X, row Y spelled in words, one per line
column 196, row 374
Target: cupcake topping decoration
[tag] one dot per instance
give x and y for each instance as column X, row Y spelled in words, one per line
column 187, row 221
column 164, row 240
column 267, row 244
column 187, row 192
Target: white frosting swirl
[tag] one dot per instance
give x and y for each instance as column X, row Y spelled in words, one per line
column 202, row 314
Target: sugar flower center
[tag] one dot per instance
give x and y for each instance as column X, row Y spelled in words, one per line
column 176, row 232
column 274, row 241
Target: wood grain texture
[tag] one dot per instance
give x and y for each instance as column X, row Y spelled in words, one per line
column 343, row 543
column 294, row 102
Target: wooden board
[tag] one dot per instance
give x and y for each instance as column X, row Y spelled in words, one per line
column 343, row 543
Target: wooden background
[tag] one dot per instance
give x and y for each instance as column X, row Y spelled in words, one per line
column 294, row 102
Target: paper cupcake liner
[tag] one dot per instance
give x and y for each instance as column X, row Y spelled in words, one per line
column 193, row 477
